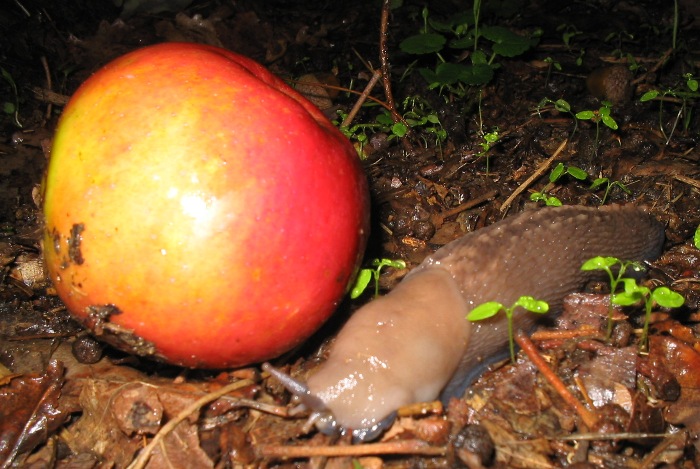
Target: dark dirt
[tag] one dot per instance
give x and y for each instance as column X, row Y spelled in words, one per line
column 642, row 410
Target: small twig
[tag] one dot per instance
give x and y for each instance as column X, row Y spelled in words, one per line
column 384, row 59
column 651, row 460
column 655, row 68
column 49, row 85
column 361, row 100
column 145, row 454
column 386, row 72
column 418, row 447
column 542, row 168
column 556, row 334
column 439, row 218
column 588, row 417
column 687, row 180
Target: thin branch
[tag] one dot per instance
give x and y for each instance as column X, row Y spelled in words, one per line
column 588, row 417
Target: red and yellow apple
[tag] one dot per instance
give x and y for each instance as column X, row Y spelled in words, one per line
column 200, row 211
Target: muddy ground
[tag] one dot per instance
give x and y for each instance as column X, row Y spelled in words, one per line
column 605, row 89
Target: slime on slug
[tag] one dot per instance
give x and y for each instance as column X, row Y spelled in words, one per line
column 415, row 343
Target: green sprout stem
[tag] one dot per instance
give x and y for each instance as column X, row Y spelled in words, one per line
column 635, row 294
column 367, row 274
column 491, row 308
column 607, row 264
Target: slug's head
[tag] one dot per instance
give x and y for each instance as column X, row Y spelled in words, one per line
column 321, row 416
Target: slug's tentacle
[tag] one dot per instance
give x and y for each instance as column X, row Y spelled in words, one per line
column 321, row 417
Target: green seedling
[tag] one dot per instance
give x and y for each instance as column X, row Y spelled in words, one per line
column 417, row 113
column 458, row 33
column 615, row 268
column 634, row 294
column 687, row 97
column 609, row 185
column 419, row 116
column 551, row 64
column 365, row 275
column 696, row 238
column 561, row 105
column 490, row 139
column 491, row 308
column 601, row 115
column 559, row 171
column 568, row 32
column 11, row 107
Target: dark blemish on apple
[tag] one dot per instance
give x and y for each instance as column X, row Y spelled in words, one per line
column 56, row 237
column 98, row 315
column 98, row 321
column 74, row 243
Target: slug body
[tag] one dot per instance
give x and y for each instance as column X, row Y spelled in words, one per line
column 415, row 342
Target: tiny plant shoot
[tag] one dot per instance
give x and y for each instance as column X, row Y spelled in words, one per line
column 365, row 275
column 557, row 173
column 609, row 185
column 9, row 107
column 635, row 294
column 491, row 308
column 607, row 264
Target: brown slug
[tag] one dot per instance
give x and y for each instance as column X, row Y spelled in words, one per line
column 612, row 83
column 414, row 343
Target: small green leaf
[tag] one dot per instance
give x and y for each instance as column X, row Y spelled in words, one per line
column 507, row 43
column 599, row 263
column 631, row 285
column 553, row 201
column 448, row 73
column 610, row 122
column 667, row 298
column 557, row 172
column 649, row 95
column 384, row 119
column 562, row 105
column 477, row 74
column 479, row 58
column 395, row 263
column 696, row 238
column 624, row 188
column 598, row 182
column 585, row 115
column 626, row 299
column 423, row 43
column 577, row 173
column 399, row 129
column 466, row 42
column 363, row 279
column 485, row 311
column 531, row 304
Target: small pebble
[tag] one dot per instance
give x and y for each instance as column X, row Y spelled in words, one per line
column 87, row 350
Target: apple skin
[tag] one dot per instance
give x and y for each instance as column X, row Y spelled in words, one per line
column 200, row 211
